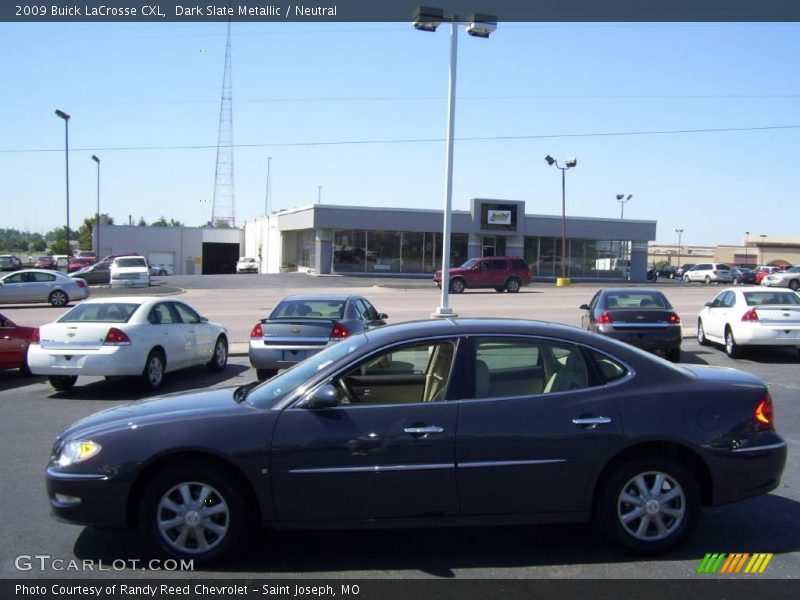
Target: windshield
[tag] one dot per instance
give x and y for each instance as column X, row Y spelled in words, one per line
column 469, row 264
column 100, row 312
column 276, row 389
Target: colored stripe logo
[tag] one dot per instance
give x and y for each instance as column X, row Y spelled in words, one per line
column 735, row 563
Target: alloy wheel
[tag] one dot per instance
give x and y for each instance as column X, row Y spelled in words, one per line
column 193, row 517
column 651, row 506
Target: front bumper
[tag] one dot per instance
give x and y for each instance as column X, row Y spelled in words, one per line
column 105, row 361
column 87, row 499
column 279, row 357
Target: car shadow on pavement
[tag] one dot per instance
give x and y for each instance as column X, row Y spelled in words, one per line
column 13, row 379
column 765, row 524
column 772, row 356
column 128, row 388
column 694, row 357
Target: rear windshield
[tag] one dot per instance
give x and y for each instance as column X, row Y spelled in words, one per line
column 636, row 300
column 130, row 262
column 759, row 298
column 107, row 312
column 309, row 309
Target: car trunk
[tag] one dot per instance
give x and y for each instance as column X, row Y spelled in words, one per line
column 84, row 336
column 299, row 331
column 779, row 315
column 626, row 319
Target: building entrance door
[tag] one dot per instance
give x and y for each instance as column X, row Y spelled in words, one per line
column 488, row 245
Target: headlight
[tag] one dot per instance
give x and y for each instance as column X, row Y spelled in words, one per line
column 77, row 451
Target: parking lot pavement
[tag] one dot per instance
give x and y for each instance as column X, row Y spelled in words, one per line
column 32, row 415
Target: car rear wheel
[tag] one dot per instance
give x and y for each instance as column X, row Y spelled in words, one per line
column 58, row 298
column 794, row 284
column 732, row 349
column 24, row 369
column 264, row 374
column 513, row 285
column 686, row 279
column 194, row 511
column 674, row 355
column 153, row 373
column 220, row 357
column 457, row 285
column 701, row 333
column 707, row 280
column 650, row 504
column 63, row 383
column 735, row 281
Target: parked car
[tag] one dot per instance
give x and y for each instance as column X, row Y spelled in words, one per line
column 668, row 271
column 683, row 269
column 14, row 340
column 45, row 262
column 127, row 336
column 247, row 264
column 97, row 273
column 789, row 278
column 741, row 317
column 129, row 271
column 160, row 270
column 762, row 272
column 429, row 423
column 86, row 254
column 742, row 275
column 503, row 273
column 9, row 262
column 641, row 317
column 76, row 264
column 39, row 285
column 652, row 274
column 709, row 273
column 300, row 326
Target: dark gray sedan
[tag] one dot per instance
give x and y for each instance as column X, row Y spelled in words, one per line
column 429, row 423
column 300, row 326
column 641, row 317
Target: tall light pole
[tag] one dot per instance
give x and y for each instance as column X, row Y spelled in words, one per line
column 568, row 164
column 625, row 255
column 428, row 19
column 746, row 242
column 680, row 233
column 65, row 116
column 622, row 200
column 319, row 194
column 763, row 237
column 97, row 223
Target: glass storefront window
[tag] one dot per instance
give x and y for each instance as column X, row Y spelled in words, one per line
column 413, row 252
column 383, row 251
column 298, row 249
column 349, row 251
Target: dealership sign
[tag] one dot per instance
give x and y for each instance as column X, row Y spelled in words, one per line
column 499, row 217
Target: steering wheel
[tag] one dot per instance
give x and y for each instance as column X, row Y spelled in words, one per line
column 348, row 393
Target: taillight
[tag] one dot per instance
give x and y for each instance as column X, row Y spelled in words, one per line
column 750, row 315
column 340, row 331
column 35, row 339
column 604, row 319
column 763, row 413
column 116, row 337
column 257, row 332
column 673, row 319
column 81, row 283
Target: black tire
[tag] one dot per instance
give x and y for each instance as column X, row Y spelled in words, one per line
column 500, row 289
column 63, row 383
column 153, row 373
column 223, row 529
column 162, row 273
column 513, row 285
column 24, row 369
column 679, row 492
column 701, row 333
column 735, row 281
column 707, row 280
column 674, row 355
column 220, row 356
column 58, row 298
column 794, row 285
column 457, row 285
column 732, row 349
column 686, row 279
column 264, row 374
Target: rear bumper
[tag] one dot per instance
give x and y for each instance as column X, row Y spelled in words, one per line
column 767, row 335
column 747, row 472
column 661, row 339
column 106, row 361
column 279, row 357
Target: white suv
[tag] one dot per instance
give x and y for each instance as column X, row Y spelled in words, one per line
column 708, row 273
column 130, row 271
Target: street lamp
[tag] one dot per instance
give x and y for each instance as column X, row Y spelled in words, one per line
column 568, row 164
column 680, row 233
column 426, row 18
column 746, row 242
column 97, row 224
column 622, row 200
column 65, row 116
column 763, row 237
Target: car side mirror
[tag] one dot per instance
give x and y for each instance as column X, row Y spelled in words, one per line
column 584, row 307
column 325, row 396
column 709, row 304
column 383, row 316
column 204, row 319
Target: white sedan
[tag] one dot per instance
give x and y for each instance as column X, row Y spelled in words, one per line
column 126, row 336
column 41, row 285
column 740, row 317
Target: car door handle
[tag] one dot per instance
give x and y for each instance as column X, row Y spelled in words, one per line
column 424, row 430
column 591, row 422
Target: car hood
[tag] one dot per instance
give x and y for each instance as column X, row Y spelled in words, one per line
column 712, row 374
column 172, row 408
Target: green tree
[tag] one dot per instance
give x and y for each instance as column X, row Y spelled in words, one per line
column 87, row 228
column 141, row 222
column 38, row 245
column 161, row 222
column 222, row 224
column 175, row 223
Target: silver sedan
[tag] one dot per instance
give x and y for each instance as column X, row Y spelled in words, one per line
column 40, row 285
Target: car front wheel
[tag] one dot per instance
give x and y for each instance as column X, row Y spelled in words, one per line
column 701, row 334
column 650, row 504
column 220, row 357
column 732, row 349
column 686, row 279
column 194, row 511
column 58, row 298
column 457, row 286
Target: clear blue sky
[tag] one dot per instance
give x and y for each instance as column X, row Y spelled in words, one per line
column 135, row 85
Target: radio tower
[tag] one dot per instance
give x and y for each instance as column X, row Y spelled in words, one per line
column 224, row 208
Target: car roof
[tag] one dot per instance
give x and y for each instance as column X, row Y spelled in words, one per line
column 629, row 290
column 131, row 300
column 320, row 297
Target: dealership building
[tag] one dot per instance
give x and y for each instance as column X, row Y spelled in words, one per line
column 328, row 239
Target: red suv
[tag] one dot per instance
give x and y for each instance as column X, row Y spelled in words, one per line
column 498, row 272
